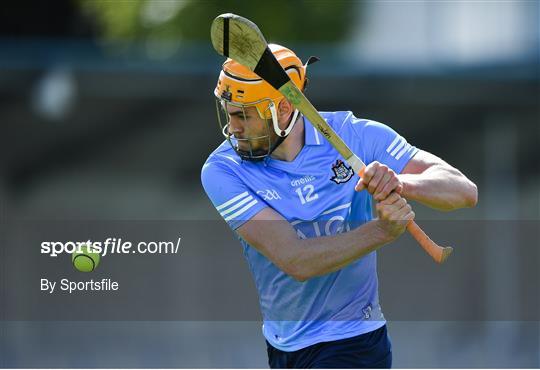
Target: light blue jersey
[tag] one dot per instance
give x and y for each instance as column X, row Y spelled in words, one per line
column 315, row 193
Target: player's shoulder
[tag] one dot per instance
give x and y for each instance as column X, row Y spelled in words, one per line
column 222, row 154
column 337, row 118
column 346, row 121
column 223, row 163
column 222, row 157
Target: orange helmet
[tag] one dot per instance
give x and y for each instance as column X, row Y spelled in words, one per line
column 237, row 84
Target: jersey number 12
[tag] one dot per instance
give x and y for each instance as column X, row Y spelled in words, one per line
column 309, row 191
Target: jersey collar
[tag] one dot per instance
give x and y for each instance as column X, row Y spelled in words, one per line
column 312, row 136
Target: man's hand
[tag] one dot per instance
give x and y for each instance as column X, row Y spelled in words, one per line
column 394, row 214
column 380, row 181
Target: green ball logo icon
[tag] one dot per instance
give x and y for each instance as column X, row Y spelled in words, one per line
column 85, row 260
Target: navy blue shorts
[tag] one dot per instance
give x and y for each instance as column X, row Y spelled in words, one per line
column 371, row 350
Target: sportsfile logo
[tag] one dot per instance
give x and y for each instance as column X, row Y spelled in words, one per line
column 110, row 246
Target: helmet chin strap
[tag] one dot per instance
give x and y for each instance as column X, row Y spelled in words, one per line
column 279, row 132
column 282, row 134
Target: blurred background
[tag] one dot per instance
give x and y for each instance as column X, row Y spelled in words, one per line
column 107, row 113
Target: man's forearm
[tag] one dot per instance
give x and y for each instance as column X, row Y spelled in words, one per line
column 440, row 188
column 322, row 255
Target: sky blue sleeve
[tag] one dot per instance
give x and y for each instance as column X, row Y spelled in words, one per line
column 381, row 143
column 233, row 200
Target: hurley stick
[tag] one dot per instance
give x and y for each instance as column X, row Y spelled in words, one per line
column 240, row 39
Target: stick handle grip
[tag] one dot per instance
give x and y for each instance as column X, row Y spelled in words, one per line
column 438, row 253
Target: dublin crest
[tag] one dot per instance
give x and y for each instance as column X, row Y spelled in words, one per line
column 342, row 173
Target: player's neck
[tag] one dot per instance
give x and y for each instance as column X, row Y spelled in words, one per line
column 293, row 144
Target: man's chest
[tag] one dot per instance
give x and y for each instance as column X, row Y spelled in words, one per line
column 321, row 188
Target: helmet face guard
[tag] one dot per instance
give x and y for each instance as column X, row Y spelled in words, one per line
column 243, row 146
